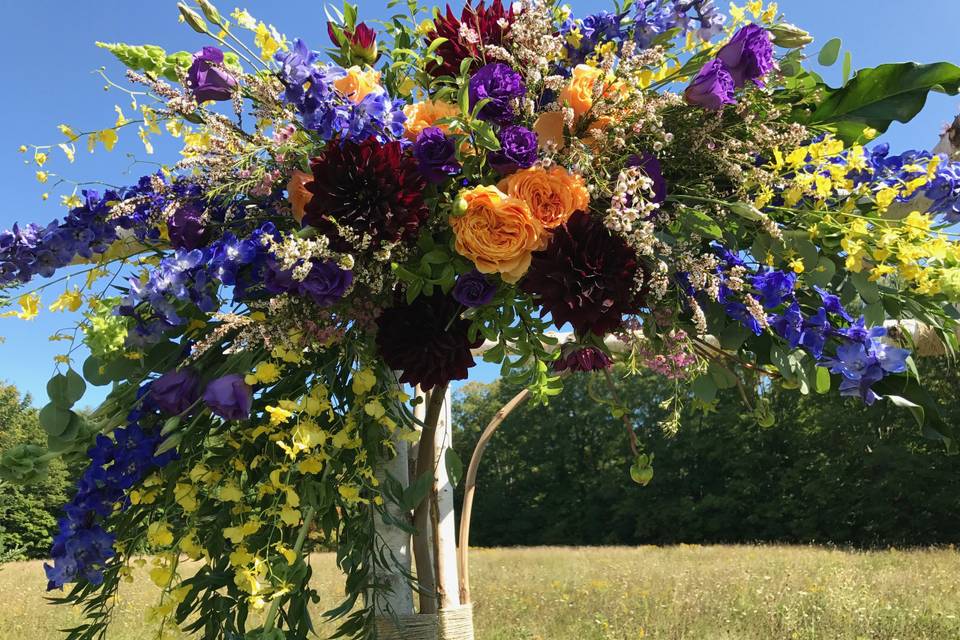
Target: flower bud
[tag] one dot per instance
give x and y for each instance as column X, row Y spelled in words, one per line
column 460, row 206
column 192, row 18
column 210, row 11
column 789, row 36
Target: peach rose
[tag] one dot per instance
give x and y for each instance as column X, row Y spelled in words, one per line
column 553, row 194
column 423, row 115
column 297, row 193
column 578, row 94
column 496, row 232
column 549, row 128
column 358, row 83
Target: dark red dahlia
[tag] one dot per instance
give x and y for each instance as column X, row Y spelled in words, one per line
column 426, row 340
column 585, row 276
column 477, row 27
column 586, row 359
column 366, row 189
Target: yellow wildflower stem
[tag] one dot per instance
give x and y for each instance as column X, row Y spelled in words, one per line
column 297, row 549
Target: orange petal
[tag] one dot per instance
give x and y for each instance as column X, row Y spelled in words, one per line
column 297, row 193
column 549, row 128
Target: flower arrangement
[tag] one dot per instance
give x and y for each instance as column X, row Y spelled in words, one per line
column 663, row 176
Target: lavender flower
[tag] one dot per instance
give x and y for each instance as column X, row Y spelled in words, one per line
column 748, row 56
column 229, row 397
column 436, row 155
column 175, row 391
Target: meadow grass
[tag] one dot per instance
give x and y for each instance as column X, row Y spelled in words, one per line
column 682, row 592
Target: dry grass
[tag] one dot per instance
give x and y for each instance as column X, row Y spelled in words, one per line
column 685, row 592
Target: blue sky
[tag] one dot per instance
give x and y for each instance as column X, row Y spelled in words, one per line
column 51, row 60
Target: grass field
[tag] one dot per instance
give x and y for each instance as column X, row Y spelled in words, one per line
column 685, row 592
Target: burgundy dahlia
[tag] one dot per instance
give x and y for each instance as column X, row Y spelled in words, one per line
column 585, row 360
column 585, row 276
column 466, row 38
column 426, row 340
column 366, row 190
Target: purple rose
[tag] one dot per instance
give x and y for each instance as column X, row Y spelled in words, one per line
column 748, row 55
column 175, row 391
column 186, row 227
column 473, row 289
column 206, row 77
column 651, row 166
column 229, row 397
column 436, row 155
column 326, row 283
column 501, row 85
column 518, row 150
column 586, row 360
column 712, row 88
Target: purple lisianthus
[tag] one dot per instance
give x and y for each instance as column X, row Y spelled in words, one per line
column 518, row 150
column 712, row 88
column 175, row 391
column 229, row 397
column 501, row 85
column 473, row 289
column 436, row 155
column 326, row 283
column 651, row 166
column 586, row 359
column 748, row 56
column 206, row 77
column 186, row 228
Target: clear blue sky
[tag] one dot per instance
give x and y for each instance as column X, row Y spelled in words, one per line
column 50, row 55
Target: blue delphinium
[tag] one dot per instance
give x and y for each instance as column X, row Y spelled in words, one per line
column 82, row 548
column 310, row 88
column 655, row 17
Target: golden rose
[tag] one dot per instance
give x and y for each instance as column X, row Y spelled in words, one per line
column 549, row 129
column 496, row 232
column 423, row 115
column 358, row 83
column 553, row 194
column 578, row 94
column 297, row 193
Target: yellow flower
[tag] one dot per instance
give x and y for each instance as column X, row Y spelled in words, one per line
column 278, row 415
column 159, row 534
column 29, row 305
column 349, row 492
column 269, row 40
column 290, row 515
column 186, row 496
column 230, row 492
column 363, row 381
column 497, row 232
column 190, row 546
column 70, row 300
column 265, row 373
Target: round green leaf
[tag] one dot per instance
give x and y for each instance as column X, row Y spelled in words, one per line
column 55, row 419
column 830, row 52
column 95, row 372
column 822, row 274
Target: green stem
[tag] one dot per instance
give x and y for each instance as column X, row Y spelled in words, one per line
column 297, row 548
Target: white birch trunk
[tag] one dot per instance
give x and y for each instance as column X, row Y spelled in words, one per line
column 445, row 546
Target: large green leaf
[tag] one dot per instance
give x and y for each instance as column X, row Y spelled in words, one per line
column 876, row 97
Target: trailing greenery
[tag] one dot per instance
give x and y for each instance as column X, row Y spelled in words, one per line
column 829, row 471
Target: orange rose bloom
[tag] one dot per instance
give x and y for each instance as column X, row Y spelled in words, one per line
column 297, row 193
column 578, row 94
column 358, row 83
column 423, row 115
column 497, row 232
column 553, row 195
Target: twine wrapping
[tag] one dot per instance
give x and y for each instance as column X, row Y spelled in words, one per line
column 450, row 624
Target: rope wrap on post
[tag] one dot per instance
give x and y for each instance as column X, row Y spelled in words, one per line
column 455, row 623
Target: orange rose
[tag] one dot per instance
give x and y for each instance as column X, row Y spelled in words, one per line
column 553, row 195
column 578, row 94
column 423, row 115
column 549, row 128
column 358, row 83
column 297, row 193
column 496, row 232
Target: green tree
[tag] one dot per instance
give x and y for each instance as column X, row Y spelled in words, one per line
column 830, row 471
column 28, row 514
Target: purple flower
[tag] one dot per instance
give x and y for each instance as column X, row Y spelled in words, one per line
column 473, row 289
column 186, row 227
column 651, row 166
column 175, row 391
column 712, row 88
column 436, row 155
column 229, row 397
column 326, row 283
column 518, row 150
column 206, row 77
column 774, row 287
column 586, row 360
column 788, row 325
column 296, row 65
column 748, row 55
column 501, row 85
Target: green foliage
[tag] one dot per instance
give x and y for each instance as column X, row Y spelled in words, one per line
column 27, row 513
column 822, row 469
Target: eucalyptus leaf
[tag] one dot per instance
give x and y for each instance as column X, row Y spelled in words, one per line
column 830, row 52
